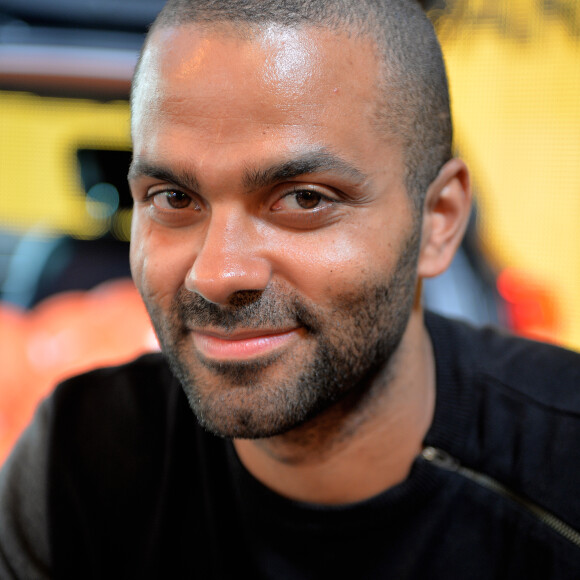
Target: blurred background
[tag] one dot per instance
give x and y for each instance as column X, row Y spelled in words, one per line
column 66, row 301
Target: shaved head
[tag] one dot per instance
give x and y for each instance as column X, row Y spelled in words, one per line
column 413, row 106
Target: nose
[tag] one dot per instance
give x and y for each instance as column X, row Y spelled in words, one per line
column 230, row 259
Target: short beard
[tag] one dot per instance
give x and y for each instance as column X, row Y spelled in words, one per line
column 354, row 342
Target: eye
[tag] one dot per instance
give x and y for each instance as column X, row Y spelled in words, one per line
column 306, row 199
column 302, row 199
column 173, row 200
column 307, row 207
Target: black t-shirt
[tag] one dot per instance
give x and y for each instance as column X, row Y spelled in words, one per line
column 136, row 489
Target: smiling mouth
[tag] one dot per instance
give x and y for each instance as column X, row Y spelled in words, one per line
column 242, row 345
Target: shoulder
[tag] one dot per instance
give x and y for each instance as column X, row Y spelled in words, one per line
column 24, row 544
column 125, row 462
column 510, row 408
column 545, row 374
column 143, row 373
column 122, row 392
column 101, row 419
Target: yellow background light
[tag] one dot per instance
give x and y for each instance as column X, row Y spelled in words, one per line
column 514, row 68
column 39, row 179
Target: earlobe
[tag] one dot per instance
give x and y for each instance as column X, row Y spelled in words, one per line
column 445, row 215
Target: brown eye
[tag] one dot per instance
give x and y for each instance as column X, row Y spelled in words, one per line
column 306, row 207
column 307, row 199
column 172, row 200
column 303, row 201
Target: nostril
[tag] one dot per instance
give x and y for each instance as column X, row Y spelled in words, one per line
column 244, row 297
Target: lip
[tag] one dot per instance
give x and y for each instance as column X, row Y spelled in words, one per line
column 243, row 344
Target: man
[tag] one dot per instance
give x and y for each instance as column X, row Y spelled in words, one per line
column 293, row 184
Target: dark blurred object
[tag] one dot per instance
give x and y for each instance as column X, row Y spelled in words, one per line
column 131, row 15
column 74, row 47
column 432, row 4
column 33, row 267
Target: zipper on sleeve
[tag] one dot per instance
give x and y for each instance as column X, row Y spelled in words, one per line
column 443, row 460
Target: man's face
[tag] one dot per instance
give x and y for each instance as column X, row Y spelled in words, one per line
column 273, row 241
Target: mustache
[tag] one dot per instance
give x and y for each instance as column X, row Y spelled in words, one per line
column 246, row 309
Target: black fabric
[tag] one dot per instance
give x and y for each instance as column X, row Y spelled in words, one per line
column 139, row 490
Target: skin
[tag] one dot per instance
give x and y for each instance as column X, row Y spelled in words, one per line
column 262, row 188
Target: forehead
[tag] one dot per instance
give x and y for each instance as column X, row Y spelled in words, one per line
column 271, row 86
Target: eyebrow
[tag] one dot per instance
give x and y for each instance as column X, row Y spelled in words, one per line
column 303, row 164
column 184, row 179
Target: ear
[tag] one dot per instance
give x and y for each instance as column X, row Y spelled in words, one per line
column 445, row 215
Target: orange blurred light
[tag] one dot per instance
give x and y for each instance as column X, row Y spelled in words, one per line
column 531, row 307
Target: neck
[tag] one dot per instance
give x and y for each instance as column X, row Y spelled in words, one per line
column 362, row 445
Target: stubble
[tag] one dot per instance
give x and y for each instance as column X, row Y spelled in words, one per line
column 344, row 348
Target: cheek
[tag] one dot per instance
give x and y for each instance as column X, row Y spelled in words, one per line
column 137, row 253
column 159, row 264
column 340, row 263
